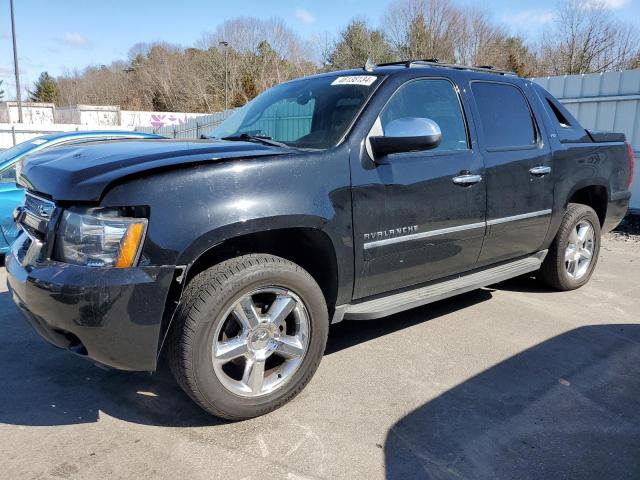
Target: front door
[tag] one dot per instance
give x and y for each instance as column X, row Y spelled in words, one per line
column 518, row 171
column 412, row 221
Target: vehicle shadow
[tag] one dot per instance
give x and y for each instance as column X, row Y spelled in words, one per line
column 566, row 408
column 524, row 283
column 44, row 386
column 350, row 333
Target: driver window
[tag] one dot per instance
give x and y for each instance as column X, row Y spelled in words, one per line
column 430, row 98
column 8, row 175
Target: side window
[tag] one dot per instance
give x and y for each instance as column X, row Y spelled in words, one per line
column 8, row 175
column 505, row 116
column 435, row 99
column 560, row 117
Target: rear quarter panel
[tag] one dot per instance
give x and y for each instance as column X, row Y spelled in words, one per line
column 580, row 165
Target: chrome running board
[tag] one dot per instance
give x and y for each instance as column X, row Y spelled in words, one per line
column 399, row 302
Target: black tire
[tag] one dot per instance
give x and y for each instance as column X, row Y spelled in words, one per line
column 211, row 293
column 553, row 271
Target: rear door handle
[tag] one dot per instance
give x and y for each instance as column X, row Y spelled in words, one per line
column 467, row 179
column 540, row 171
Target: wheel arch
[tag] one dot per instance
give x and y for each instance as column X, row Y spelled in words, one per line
column 305, row 244
column 309, row 247
column 595, row 196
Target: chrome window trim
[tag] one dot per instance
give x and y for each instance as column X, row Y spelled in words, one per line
column 460, row 228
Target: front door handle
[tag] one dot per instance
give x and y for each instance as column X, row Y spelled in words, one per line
column 467, row 179
column 540, row 171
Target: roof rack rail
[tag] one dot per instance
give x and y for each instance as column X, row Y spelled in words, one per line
column 434, row 62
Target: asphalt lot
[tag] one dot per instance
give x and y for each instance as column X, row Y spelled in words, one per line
column 513, row 381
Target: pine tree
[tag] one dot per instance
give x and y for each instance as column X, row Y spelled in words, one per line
column 1, row 91
column 46, row 89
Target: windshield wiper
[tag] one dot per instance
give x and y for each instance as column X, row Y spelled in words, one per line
column 256, row 138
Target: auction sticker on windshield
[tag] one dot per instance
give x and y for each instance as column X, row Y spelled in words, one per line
column 365, row 80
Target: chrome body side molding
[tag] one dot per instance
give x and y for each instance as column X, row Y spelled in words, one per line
column 417, row 236
column 523, row 216
column 460, row 228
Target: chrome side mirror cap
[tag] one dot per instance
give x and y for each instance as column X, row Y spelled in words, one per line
column 407, row 134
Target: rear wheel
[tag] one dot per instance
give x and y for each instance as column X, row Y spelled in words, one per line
column 574, row 252
column 249, row 336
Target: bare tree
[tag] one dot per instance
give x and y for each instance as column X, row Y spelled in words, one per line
column 262, row 53
column 586, row 38
column 424, row 28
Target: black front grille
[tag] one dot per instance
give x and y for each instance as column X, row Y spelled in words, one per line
column 35, row 215
column 38, row 206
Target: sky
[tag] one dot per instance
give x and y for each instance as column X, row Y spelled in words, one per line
column 63, row 35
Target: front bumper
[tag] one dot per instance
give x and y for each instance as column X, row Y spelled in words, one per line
column 112, row 316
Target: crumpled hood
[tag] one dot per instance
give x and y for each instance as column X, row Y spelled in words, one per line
column 84, row 172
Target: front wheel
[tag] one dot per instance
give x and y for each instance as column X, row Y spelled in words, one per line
column 574, row 252
column 249, row 335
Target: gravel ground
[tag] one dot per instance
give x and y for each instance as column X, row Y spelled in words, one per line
column 628, row 230
column 513, row 381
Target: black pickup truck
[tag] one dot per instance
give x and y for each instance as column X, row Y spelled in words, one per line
column 347, row 195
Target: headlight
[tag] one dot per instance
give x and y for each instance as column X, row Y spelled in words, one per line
column 99, row 238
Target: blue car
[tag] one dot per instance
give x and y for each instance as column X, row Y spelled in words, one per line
column 11, row 195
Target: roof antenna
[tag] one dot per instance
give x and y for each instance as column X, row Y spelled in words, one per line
column 369, row 65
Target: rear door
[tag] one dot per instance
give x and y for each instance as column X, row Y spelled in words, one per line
column 412, row 222
column 518, row 169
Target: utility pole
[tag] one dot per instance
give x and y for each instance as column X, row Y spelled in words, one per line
column 15, row 62
column 226, row 73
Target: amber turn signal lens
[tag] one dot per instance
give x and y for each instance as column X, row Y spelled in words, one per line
column 130, row 245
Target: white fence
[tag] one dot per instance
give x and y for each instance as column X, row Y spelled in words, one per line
column 608, row 101
column 192, row 128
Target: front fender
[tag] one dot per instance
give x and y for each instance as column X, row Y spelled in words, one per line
column 210, row 239
column 193, row 209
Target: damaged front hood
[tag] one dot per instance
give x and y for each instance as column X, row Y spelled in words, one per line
column 84, row 172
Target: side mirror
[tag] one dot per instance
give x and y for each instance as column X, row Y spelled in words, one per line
column 408, row 134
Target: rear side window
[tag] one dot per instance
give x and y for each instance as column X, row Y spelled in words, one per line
column 435, row 99
column 560, row 117
column 505, row 116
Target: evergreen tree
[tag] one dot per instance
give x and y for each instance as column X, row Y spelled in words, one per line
column 1, row 91
column 45, row 89
column 357, row 43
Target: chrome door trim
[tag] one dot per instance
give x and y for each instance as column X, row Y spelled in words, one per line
column 539, row 213
column 459, row 228
column 417, row 236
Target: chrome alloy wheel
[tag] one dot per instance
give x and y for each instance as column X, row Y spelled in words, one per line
column 579, row 251
column 261, row 342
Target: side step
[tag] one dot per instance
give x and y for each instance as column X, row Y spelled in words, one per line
column 390, row 304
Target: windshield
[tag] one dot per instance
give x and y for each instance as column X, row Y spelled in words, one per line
column 308, row 113
column 20, row 149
